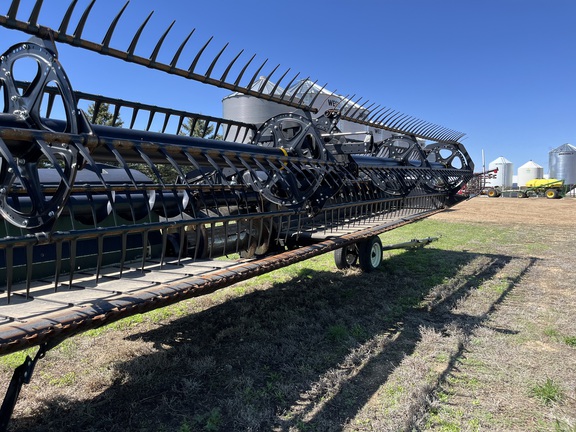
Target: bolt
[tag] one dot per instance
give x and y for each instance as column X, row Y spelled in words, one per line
column 51, row 214
column 2, row 191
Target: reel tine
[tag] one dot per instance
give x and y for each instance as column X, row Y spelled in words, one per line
column 263, row 85
column 66, row 20
column 289, row 85
column 211, row 67
column 29, row 267
column 13, row 11
column 198, row 55
column 33, row 20
column 241, row 74
column 160, row 42
column 311, row 104
column 112, row 27
column 227, row 70
column 124, row 248
column 82, row 22
column 307, row 91
column 73, row 250
column 144, row 249
column 249, row 86
column 58, row 263
column 137, row 35
column 9, row 254
column 180, row 48
column 304, row 81
column 273, row 91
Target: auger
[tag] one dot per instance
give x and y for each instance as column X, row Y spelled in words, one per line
column 99, row 222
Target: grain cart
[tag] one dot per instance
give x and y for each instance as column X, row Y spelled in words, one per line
column 550, row 188
column 101, row 222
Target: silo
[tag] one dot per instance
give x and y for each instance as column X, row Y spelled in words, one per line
column 529, row 171
column 563, row 163
column 253, row 110
column 505, row 173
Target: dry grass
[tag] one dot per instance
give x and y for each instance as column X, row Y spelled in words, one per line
column 457, row 336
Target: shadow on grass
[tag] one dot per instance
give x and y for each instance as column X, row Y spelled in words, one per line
column 242, row 364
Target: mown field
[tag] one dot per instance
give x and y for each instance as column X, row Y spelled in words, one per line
column 477, row 331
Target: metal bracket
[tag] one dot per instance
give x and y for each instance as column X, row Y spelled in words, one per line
column 22, row 375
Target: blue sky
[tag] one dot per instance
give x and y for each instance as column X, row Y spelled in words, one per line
column 502, row 71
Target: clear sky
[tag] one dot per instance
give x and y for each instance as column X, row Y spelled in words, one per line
column 502, row 71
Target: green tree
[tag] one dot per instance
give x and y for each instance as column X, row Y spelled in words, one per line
column 103, row 115
column 198, row 128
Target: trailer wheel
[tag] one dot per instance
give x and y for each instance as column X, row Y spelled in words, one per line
column 522, row 194
column 493, row 193
column 370, row 254
column 346, row 257
column 552, row 194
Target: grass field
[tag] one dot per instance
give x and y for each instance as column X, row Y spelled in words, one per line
column 474, row 332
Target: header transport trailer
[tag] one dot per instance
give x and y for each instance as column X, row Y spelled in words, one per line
column 103, row 218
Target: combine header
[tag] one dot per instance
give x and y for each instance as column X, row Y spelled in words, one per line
column 101, row 222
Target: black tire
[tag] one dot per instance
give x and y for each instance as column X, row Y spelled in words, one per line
column 370, row 254
column 522, row 194
column 552, row 194
column 493, row 193
column 346, row 257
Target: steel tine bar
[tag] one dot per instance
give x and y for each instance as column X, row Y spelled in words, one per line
column 311, row 104
column 144, row 249
column 288, row 86
column 9, row 254
column 263, row 85
column 58, row 264
column 378, row 120
column 273, row 91
column 306, row 92
column 179, row 126
column 211, row 67
column 150, row 119
column 393, row 115
column 304, row 81
column 73, row 250
column 82, row 22
column 137, row 35
column 29, row 267
column 361, row 107
column 421, row 127
column 399, row 121
column 164, row 246
column 112, row 27
column 181, row 244
column 124, row 241
column 100, row 256
column 227, row 70
column 198, row 55
column 249, row 86
column 13, row 11
column 241, row 74
column 165, row 123
column 180, row 48
column 33, row 20
column 133, row 118
column 66, row 20
column 417, row 125
column 50, row 105
column 116, row 114
column 352, row 106
column 160, row 42
column 411, row 124
column 375, row 113
column 348, row 100
column 367, row 109
column 426, row 128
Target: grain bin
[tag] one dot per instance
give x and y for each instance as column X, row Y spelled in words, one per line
column 563, row 163
column 505, row 173
column 529, row 171
column 249, row 109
